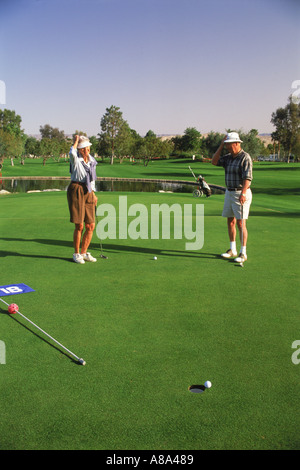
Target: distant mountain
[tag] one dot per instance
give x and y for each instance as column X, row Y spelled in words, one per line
column 266, row 138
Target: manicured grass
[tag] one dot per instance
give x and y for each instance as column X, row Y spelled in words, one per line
column 269, row 177
column 149, row 329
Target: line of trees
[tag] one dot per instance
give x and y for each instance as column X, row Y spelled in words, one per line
column 117, row 140
column 287, row 130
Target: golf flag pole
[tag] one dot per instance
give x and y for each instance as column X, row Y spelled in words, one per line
column 79, row 360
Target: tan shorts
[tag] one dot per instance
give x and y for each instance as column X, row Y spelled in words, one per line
column 81, row 204
column 232, row 206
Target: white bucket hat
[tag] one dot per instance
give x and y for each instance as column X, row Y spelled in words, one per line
column 232, row 137
column 83, row 142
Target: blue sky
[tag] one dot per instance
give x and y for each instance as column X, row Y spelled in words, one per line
column 168, row 64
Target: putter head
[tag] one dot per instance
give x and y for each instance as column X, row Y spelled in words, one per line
column 102, row 256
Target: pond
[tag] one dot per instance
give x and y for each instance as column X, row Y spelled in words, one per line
column 25, row 185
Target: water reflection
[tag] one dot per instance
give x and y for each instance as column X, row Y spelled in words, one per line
column 27, row 185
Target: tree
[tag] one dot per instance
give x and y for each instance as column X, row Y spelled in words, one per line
column 211, row 143
column 11, row 122
column 251, row 143
column 53, row 142
column 124, row 141
column 150, row 144
column 48, row 132
column 294, row 128
column 11, row 146
column 138, row 149
column 279, row 120
column 115, row 132
column 189, row 142
column 32, row 146
column 11, row 135
column 287, row 128
column 94, row 141
column 154, row 146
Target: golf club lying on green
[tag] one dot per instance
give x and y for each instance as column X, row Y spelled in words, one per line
column 13, row 308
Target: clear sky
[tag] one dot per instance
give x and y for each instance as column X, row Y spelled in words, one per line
column 167, row 64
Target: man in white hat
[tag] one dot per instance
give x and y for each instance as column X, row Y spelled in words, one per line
column 238, row 176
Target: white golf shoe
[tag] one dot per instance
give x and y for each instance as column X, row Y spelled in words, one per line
column 241, row 258
column 229, row 254
column 88, row 257
column 78, row 258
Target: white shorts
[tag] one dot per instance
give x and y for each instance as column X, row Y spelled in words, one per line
column 232, row 206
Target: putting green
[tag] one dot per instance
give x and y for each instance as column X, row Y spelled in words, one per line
column 148, row 330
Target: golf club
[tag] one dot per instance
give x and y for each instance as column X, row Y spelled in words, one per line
column 78, row 359
column 193, row 173
column 242, row 230
column 101, row 255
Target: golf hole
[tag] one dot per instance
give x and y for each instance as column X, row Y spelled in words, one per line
column 197, row 388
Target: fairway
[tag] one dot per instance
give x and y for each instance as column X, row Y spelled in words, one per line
column 149, row 329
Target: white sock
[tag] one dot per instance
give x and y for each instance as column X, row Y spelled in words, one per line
column 243, row 250
column 233, row 246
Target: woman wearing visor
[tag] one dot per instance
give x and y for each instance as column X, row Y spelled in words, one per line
column 81, row 197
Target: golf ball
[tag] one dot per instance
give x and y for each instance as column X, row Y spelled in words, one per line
column 13, row 308
column 155, row 257
column 207, row 384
